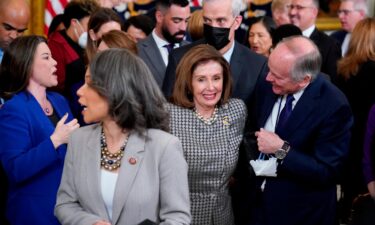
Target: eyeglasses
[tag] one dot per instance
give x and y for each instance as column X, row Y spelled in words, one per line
column 297, row 7
column 344, row 11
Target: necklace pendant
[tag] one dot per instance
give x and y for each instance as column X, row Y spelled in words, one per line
column 46, row 110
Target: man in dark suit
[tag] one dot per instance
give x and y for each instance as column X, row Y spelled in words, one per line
column 303, row 14
column 350, row 13
column 170, row 29
column 221, row 20
column 301, row 124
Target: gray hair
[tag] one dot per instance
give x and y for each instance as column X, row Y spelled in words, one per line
column 135, row 101
column 359, row 5
column 316, row 3
column 237, row 6
column 308, row 58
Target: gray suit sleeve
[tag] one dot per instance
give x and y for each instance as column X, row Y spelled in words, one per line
column 174, row 191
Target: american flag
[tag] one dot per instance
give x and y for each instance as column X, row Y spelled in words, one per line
column 53, row 7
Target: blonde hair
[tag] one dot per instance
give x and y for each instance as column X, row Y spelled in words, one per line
column 195, row 25
column 361, row 48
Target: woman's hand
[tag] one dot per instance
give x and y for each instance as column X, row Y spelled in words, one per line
column 102, row 222
column 62, row 131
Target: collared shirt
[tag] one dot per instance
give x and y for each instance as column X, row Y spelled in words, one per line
column 228, row 55
column 273, row 117
column 345, row 44
column 277, row 107
column 161, row 43
column 308, row 31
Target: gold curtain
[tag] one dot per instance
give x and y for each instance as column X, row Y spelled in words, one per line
column 36, row 25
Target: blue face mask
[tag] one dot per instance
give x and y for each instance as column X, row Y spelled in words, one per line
column 218, row 37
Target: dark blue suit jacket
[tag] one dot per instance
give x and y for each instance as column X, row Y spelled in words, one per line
column 246, row 68
column 339, row 36
column 31, row 163
column 318, row 130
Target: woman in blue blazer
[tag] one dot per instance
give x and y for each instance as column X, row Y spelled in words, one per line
column 34, row 130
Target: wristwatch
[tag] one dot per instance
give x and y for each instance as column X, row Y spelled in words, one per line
column 281, row 153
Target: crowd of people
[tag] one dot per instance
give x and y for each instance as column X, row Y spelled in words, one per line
column 175, row 117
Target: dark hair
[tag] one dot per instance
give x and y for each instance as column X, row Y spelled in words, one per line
column 283, row 31
column 142, row 22
column 78, row 10
column 165, row 4
column 56, row 21
column 266, row 21
column 198, row 55
column 119, row 39
column 17, row 63
column 135, row 100
column 97, row 19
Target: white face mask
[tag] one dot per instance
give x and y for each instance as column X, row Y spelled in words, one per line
column 82, row 40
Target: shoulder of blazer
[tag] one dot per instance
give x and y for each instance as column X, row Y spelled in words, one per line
column 149, row 40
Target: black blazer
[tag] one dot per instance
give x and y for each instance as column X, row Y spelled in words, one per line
column 318, row 130
column 330, row 51
column 246, row 67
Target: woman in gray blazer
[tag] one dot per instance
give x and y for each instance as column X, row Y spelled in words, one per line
column 125, row 168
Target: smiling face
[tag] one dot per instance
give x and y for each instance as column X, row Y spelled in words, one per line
column 259, row 39
column 95, row 106
column 207, row 84
column 302, row 13
column 43, row 68
column 280, row 65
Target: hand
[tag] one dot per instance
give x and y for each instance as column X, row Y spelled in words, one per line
column 102, row 222
column 62, row 131
column 268, row 142
column 371, row 189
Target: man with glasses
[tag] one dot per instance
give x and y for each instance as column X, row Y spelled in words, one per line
column 350, row 13
column 14, row 18
column 303, row 14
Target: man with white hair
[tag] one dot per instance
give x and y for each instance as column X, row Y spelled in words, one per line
column 350, row 13
column 298, row 137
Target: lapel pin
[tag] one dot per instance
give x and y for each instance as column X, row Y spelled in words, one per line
column 226, row 121
column 132, row 160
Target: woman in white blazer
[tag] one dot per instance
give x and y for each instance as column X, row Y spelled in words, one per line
column 124, row 169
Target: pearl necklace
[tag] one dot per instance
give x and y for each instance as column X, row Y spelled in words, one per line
column 111, row 161
column 207, row 121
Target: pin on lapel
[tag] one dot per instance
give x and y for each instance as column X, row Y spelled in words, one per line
column 132, row 160
column 226, row 120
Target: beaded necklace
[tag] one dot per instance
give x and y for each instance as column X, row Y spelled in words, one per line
column 110, row 161
column 207, row 121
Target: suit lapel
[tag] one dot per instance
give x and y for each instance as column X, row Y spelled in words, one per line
column 130, row 165
column 235, row 64
column 93, row 172
column 154, row 56
column 304, row 107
